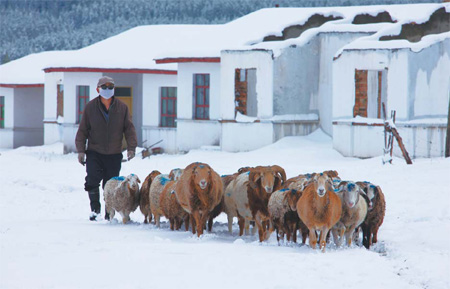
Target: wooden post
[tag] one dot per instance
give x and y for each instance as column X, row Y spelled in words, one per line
column 400, row 144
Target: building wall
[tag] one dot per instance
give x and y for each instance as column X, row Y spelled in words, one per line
column 28, row 116
column 330, row 43
column 53, row 131
column 238, row 137
column 191, row 133
column 429, row 86
column 296, row 79
column 71, row 81
column 417, row 88
column 151, row 107
column 263, row 62
column 6, row 134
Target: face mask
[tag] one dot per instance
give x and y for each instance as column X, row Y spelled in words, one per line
column 106, row 93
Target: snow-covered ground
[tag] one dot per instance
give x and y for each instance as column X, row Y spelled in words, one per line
column 46, row 240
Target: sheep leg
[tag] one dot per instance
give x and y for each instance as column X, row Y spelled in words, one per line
column 230, row 223
column 366, row 233
column 125, row 218
column 312, row 238
column 186, row 223
column 157, row 221
column 375, row 234
column 172, row 223
column 198, row 222
column 294, row 232
column 323, row 238
column 193, row 224
column 247, row 227
column 241, row 223
column 145, row 219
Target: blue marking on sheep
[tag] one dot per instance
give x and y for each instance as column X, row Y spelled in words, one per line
column 163, row 180
column 284, row 190
column 350, row 187
column 118, row 178
column 201, row 166
column 229, row 194
column 247, row 173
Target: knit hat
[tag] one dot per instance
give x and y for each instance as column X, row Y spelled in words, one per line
column 104, row 80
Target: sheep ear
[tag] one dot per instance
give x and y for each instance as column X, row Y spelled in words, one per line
column 138, row 180
column 253, row 177
column 280, row 171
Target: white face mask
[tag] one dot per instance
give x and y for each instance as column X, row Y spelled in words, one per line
column 107, row 93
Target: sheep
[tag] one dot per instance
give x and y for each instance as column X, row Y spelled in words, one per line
column 354, row 211
column 284, row 219
column 156, row 189
column 229, row 206
column 249, row 194
column 375, row 214
column 145, row 201
column 319, row 208
column 122, row 194
column 199, row 191
column 171, row 208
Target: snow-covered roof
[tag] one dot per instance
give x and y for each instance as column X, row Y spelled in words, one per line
column 28, row 69
column 138, row 48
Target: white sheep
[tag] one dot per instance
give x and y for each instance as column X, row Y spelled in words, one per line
column 354, row 211
column 122, row 194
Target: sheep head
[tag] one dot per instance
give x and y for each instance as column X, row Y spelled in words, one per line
column 371, row 192
column 175, row 174
column 133, row 182
column 292, row 197
column 322, row 183
column 201, row 176
column 350, row 193
column 268, row 178
column 153, row 174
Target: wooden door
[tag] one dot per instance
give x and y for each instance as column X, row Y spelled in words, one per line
column 125, row 94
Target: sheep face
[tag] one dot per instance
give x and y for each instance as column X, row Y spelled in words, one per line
column 270, row 178
column 351, row 194
column 134, row 182
column 322, row 184
column 371, row 191
column 202, row 176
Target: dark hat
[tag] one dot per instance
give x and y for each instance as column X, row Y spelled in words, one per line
column 104, row 80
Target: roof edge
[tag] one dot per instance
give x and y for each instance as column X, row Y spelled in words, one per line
column 16, row 85
column 188, row 59
column 109, row 70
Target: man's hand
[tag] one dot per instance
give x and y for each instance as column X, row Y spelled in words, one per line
column 81, row 158
column 130, row 155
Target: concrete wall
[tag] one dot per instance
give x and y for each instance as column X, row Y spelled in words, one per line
column 429, row 81
column 6, row 134
column 192, row 134
column 296, row 80
column 151, row 107
column 238, row 137
column 28, row 116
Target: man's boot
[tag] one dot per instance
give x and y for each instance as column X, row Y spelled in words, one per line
column 94, row 197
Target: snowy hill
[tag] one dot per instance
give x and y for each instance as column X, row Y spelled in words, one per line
column 46, row 240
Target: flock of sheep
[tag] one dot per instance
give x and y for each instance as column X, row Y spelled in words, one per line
column 314, row 204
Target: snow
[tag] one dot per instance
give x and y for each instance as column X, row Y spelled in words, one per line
column 47, row 241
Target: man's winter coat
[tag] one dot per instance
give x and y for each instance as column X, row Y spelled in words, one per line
column 104, row 131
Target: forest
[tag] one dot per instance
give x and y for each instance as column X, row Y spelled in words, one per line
column 31, row 26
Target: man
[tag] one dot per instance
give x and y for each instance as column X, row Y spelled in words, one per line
column 104, row 122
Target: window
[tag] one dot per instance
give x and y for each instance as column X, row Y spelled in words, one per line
column 60, row 100
column 82, row 100
column 168, row 106
column 2, row 112
column 201, row 96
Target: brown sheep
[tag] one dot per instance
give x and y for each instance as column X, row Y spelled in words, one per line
column 319, row 208
column 199, row 191
column 171, row 208
column 145, row 201
column 229, row 209
column 262, row 182
column 156, row 189
column 375, row 213
column 283, row 215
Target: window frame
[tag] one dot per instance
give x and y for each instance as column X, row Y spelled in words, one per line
column 206, row 99
column 166, row 98
column 85, row 97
